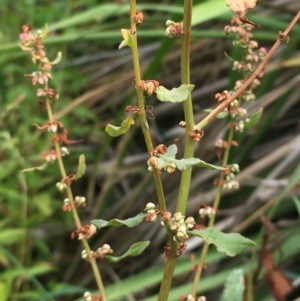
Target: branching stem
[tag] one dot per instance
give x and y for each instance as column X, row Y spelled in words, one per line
column 216, row 203
column 256, row 74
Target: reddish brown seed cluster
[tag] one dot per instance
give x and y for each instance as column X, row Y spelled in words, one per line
column 50, row 155
column 222, row 145
column 62, row 138
column 89, row 297
column 139, row 17
column 204, row 213
column 180, row 249
column 50, row 126
column 84, row 232
column 149, row 86
column 220, row 97
column 132, row 109
column 160, row 149
column 196, row 135
column 78, row 201
column 174, row 28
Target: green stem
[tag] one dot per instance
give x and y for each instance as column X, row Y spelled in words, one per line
column 141, row 105
column 167, row 279
column 187, row 106
column 86, row 246
column 170, row 264
column 209, row 118
column 189, row 145
column 212, row 218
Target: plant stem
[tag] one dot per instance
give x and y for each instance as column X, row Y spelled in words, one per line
column 86, row 246
column 141, row 105
column 210, row 117
column 212, row 218
column 189, row 145
column 187, row 106
column 256, row 74
column 167, row 279
column 170, row 264
column 189, row 148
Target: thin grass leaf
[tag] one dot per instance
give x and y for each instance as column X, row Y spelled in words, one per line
column 297, row 204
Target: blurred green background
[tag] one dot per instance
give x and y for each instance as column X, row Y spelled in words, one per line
column 38, row 260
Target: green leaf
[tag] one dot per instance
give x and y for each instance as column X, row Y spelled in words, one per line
column 254, row 119
column 135, row 250
column 297, row 204
column 4, row 290
column 169, row 157
column 130, row 222
column 42, row 167
column 176, row 94
column 115, row 131
column 127, row 39
column 292, row 62
column 231, row 244
column 234, row 286
column 11, row 236
column 172, row 151
column 40, row 269
column 186, row 163
column 212, row 10
column 221, row 115
column 81, row 167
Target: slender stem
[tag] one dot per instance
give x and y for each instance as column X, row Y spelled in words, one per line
column 86, row 246
column 141, row 105
column 256, row 74
column 170, row 264
column 189, row 146
column 254, row 216
column 187, row 106
column 167, row 279
column 212, row 218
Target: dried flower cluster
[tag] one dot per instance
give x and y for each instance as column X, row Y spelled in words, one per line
column 252, row 55
column 149, row 86
column 192, row 298
column 174, row 28
column 178, row 224
column 239, row 115
column 32, row 43
column 89, row 297
column 99, row 253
